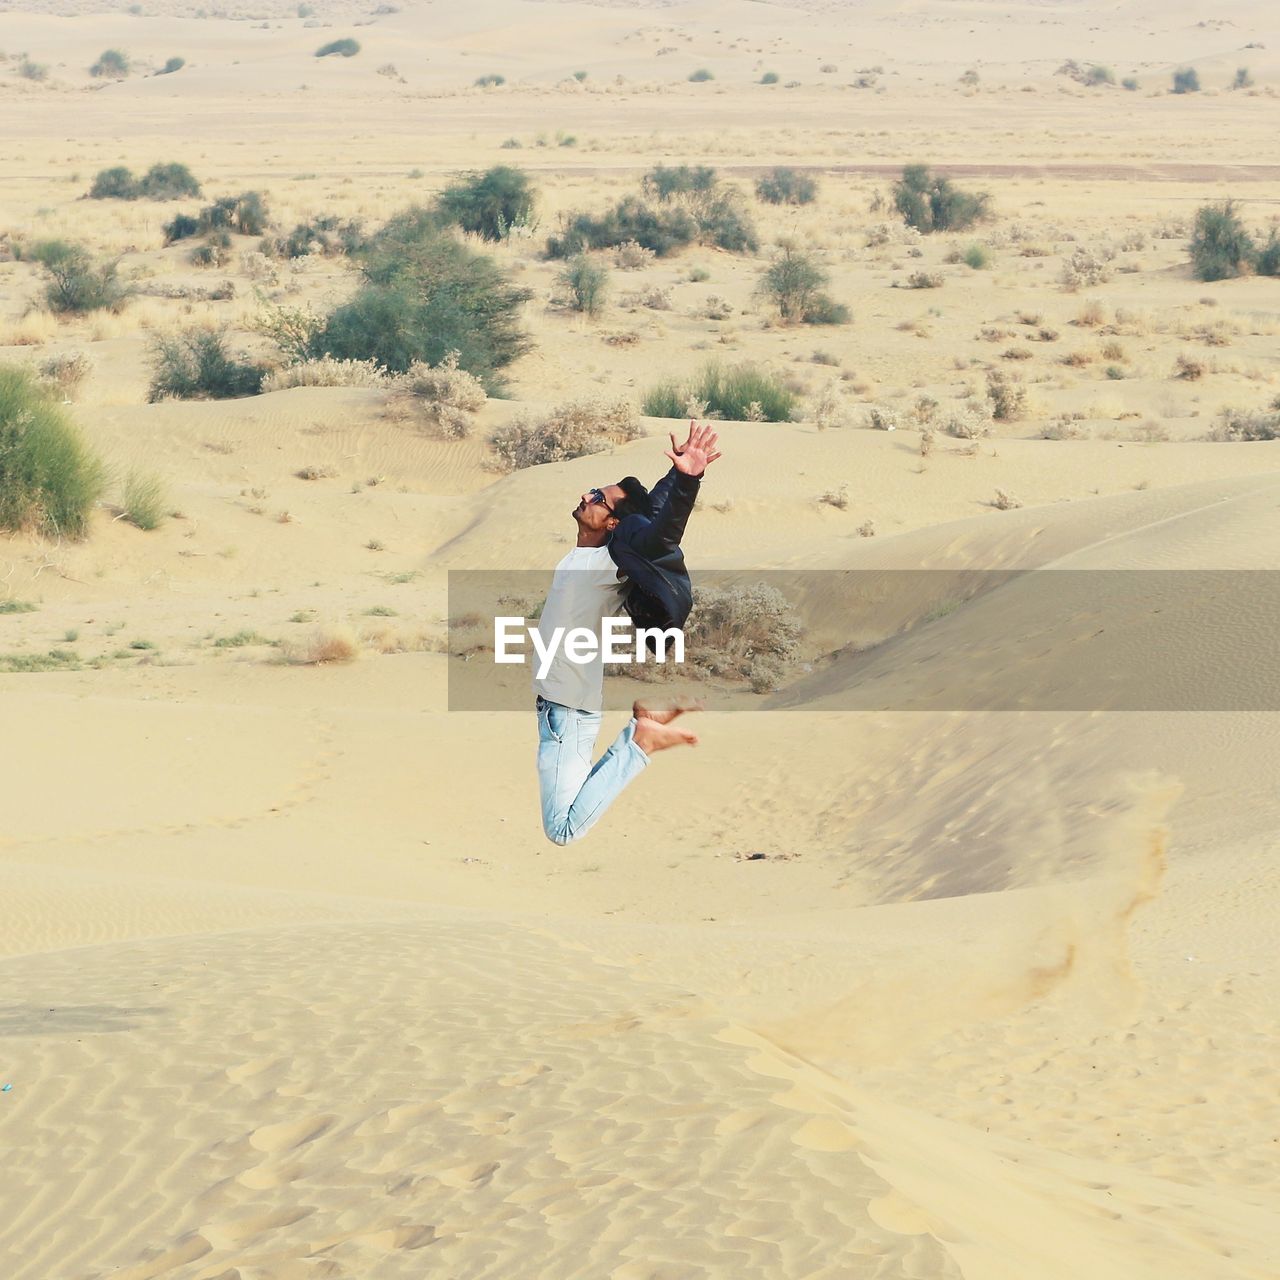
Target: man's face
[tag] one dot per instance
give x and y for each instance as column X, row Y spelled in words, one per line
column 596, row 515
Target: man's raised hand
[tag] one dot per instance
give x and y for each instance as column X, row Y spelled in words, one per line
column 697, row 453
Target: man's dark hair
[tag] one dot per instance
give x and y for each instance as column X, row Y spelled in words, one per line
column 637, row 500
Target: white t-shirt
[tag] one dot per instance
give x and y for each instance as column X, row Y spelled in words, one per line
column 584, row 590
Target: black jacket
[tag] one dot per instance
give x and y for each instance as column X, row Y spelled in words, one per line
column 659, row 593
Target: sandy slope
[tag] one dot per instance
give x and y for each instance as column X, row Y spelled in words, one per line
column 296, row 989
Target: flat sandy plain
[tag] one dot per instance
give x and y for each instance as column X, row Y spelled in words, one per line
column 293, row 985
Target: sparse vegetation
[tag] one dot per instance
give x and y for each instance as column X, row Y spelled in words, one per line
column 29, row 70
column 426, row 294
column 344, row 48
column 745, row 633
column 50, row 480
column 324, row 646
column 661, row 230
column 794, row 284
column 769, row 77
column 976, row 257
column 161, row 182
column 326, row 372
column 196, row 365
column 112, row 64
column 1130, row 83
column 741, row 393
column 718, row 211
column 701, row 75
column 78, row 284
column 327, row 236
column 1247, row 424
column 584, row 284
column 1221, row 247
column 1186, row 80
column 786, row 186
column 446, row 396
column 570, row 431
column 1008, row 397
column 490, row 81
column 144, row 501
column 171, row 65
column 490, row 203
column 245, row 214
column 929, row 202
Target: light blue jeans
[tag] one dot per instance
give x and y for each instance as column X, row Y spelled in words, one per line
column 574, row 791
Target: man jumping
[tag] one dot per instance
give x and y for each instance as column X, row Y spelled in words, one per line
column 627, row 559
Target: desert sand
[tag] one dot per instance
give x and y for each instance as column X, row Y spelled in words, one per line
column 294, row 985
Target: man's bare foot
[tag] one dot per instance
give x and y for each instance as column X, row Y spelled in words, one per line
column 651, row 736
column 664, row 710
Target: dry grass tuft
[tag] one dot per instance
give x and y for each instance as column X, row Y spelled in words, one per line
column 323, row 646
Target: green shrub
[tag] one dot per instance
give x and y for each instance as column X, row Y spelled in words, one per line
column 786, row 186
column 1267, row 263
column 701, row 75
column 769, row 77
column 929, row 202
column 327, row 236
column 49, row 478
column 111, row 65
column 1098, row 74
column 172, row 65
column 1186, row 80
column 584, row 282
column 794, row 284
column 196, row 365
column 489, row 204
column 569, row 431
column 491, row 81
column 245, row 214
column 1221, row 247
column 117, row 183
column 344, row 48
column 667, row 182
column 718, row 211
column 76, row 283
column 144, row 501
column 741, row 393
column 1243, row 79
column 426, row 294
column 1130, row 83
column 977, row 257
column 661, row 230
column 29, row 70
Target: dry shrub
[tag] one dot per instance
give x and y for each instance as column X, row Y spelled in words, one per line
column 447, row 395
column 326, row 372
column 323, row 646
column 1004, row 501
column 1086, row 268
column 1189, row 368
column 632, row 256
column 65, row 372
column 742, row 633
column 1091, row 315
column 838, row 498
column 570, row 431
column 1008, row 397
column 966, row 421
column 1064, row 428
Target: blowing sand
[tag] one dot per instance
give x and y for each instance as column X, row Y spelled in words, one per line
column 295, row 988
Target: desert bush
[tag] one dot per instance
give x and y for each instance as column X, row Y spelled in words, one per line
column 1220, row 246
column 245, row 214
column 77, row 283
column 30, row 70
column 325, row 645
column 631, row 256
column 786, row 186
column 160, row 182
column 426, row 294
column 171, row 65
column 741, row 393
column 769, row 77
column 1097, row 74
column 701, row 75
column 661, row 230
column 117, row 183
column 838, row 497
column 112, row 64
column 489, row 203
column 344, row 48
column 1130, row 83
column 929, row 202
column 327, row 236
column 687, row 182
column 569, row 431
column 966, row 421
column 49, row 477
column 976, row 257
column 794, row 284
column 292, row 329
column 1189, row 368
column 1008, row 397
column 1243, row 79
column 144, row 501
column 718, row 211
column 446, row 396
column 326, row 372
column 584, row 284
column 924, row 280
column 489, row 81
column 1085, row 268
column 1186, row 80
column 1004, row 501
column 1267, row 262
column 65, row 372
column 196, row 365
column 748, row 633
column 1246, row 424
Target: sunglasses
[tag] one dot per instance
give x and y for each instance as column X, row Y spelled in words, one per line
column 597, row 495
